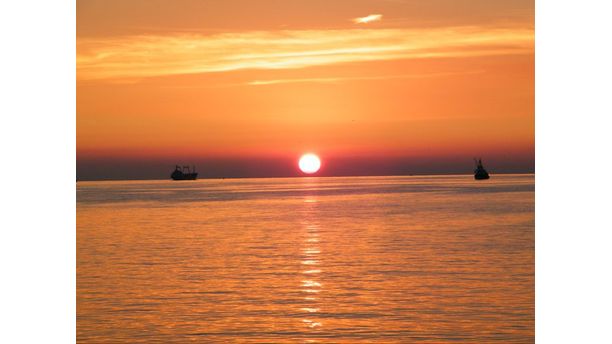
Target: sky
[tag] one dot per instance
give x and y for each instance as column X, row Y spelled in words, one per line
column 243, row 88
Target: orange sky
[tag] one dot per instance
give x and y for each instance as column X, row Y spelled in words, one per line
column 189, row 80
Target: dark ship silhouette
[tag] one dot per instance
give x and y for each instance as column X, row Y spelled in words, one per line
column 184, row 173
column 480, row 173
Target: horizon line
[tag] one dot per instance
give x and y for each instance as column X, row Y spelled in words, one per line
column 308, row 176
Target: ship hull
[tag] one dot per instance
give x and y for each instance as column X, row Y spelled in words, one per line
column 178, row 175
column 481, row 176
column 185, row 176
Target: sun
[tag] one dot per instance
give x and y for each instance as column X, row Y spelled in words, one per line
column 309, row 163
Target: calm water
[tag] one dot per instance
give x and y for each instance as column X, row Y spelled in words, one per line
column 306, row 260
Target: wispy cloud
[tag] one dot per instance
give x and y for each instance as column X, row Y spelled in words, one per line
column 147, row 56
column 367, row 19
column 358, row 78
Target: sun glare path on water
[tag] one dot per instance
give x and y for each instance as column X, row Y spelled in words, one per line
column 309, row 163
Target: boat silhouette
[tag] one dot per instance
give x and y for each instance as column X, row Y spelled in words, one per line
column 184, row 173
column 480, row 173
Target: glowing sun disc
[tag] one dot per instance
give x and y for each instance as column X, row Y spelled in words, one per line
column 309, row 163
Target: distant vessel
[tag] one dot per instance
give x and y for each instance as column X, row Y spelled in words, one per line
column 480, row 172
column 184, row 173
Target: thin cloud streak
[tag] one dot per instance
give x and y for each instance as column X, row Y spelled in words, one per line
column 159, row 55
column 359, row 78
column 367, row 19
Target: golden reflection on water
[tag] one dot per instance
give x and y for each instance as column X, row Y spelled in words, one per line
column 310, row 257
column 319, row 260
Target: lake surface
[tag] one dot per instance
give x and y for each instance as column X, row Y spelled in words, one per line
column 430, row 259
